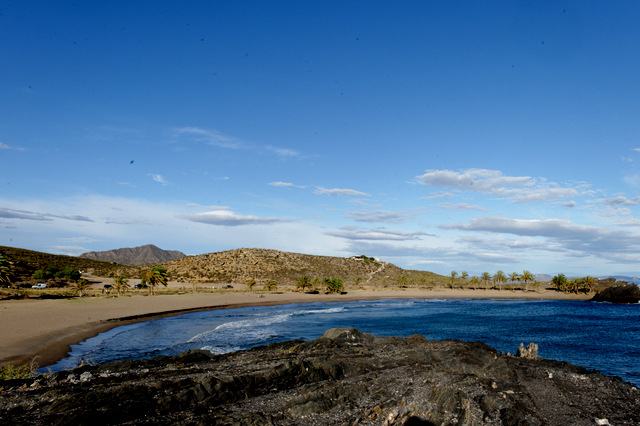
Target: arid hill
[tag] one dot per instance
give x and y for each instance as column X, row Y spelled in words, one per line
column 242, row 265
column 238, row 267
column 142, row 255
column 26, row 262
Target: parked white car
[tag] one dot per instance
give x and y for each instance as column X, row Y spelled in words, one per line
column 39, row 285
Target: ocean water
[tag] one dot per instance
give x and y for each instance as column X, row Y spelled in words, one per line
column 598, row 336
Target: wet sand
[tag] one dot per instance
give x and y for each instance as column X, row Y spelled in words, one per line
column 43, row 329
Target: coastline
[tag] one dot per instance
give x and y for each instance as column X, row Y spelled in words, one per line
column 43, row 330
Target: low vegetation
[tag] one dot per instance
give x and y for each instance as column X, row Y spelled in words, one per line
column 268, row 269
column 23, row 371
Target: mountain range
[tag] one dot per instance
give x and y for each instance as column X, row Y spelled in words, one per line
column 135, row 256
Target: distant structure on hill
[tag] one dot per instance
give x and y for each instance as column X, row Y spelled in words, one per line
column 135, row 256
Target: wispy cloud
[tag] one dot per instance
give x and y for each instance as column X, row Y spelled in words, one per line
column 22, row 214
column 211, row 137
column 283, row 152
column 619, row 201
column 28, row 215
column 340, row 191
column 352, row 233
column 286, row 185
column 460, row 206
column 520, row 189
column 439, row 196
column 16, row 148
column 606, row 243
column 229, row 218
column 377, row 216
column 159, row 178
column 632, row 179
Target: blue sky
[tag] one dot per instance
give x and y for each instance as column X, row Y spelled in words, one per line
column 440, row 136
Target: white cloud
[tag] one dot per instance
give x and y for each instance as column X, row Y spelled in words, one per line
column 632, row 179
column 619, row 201
column 460, row 206
column 351, row 233
column 5, row 146
column 439, row 195
column 340, row 191
column 29, row 215
column 229, row 218
column 377, row 216
column 283, row 152
column 520, row 189
column 22, row 214
column 211, row 137
column 286, row 185
column 589, row 240
column 158, row 178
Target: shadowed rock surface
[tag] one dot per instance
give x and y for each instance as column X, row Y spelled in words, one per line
column 344, row 377
column 619, row 294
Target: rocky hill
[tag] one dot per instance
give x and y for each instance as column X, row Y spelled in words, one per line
column 142, row 255
column 344, row 377
column 241, row 265
column 238, row 267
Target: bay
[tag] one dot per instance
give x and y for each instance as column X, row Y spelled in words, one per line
column 598, row 336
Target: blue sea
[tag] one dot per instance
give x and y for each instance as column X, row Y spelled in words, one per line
column 599, row 336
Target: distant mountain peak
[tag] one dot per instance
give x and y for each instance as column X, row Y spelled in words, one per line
column 141, row 255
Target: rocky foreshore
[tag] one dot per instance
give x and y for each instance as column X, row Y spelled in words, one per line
column 344, row 377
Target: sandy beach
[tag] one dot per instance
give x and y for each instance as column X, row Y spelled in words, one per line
column 43, row 329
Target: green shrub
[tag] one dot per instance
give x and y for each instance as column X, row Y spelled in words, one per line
column 8, row 372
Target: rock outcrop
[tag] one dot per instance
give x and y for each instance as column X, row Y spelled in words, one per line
column 619, row 294
column 344, row 377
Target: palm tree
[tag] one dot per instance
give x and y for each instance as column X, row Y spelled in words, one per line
column 80, row 287
column 514, row 276
column 121, row 284
column 271, row 285
column 560, row 281
column 334, row 285
column 251, row 283
column 453, row 276
column 402, row 280
column 589, row 282
column 474, row 281
column 304, row 282
column 157, row 275
column 526, row 277
column 499, row 278
column 486, row 277
column 464, row 275
column 7, row 273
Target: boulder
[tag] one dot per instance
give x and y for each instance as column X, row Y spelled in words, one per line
column 619, row 294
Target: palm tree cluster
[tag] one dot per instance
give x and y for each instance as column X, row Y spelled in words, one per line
column 154, row 277
column 498, row 279
column 585, row 284
column 333, row 285
column 121, row 284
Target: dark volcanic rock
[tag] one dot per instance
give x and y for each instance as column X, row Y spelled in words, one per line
column 344, row 377
column 619, row 294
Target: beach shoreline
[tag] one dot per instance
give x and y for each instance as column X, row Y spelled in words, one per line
column 42, row 330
